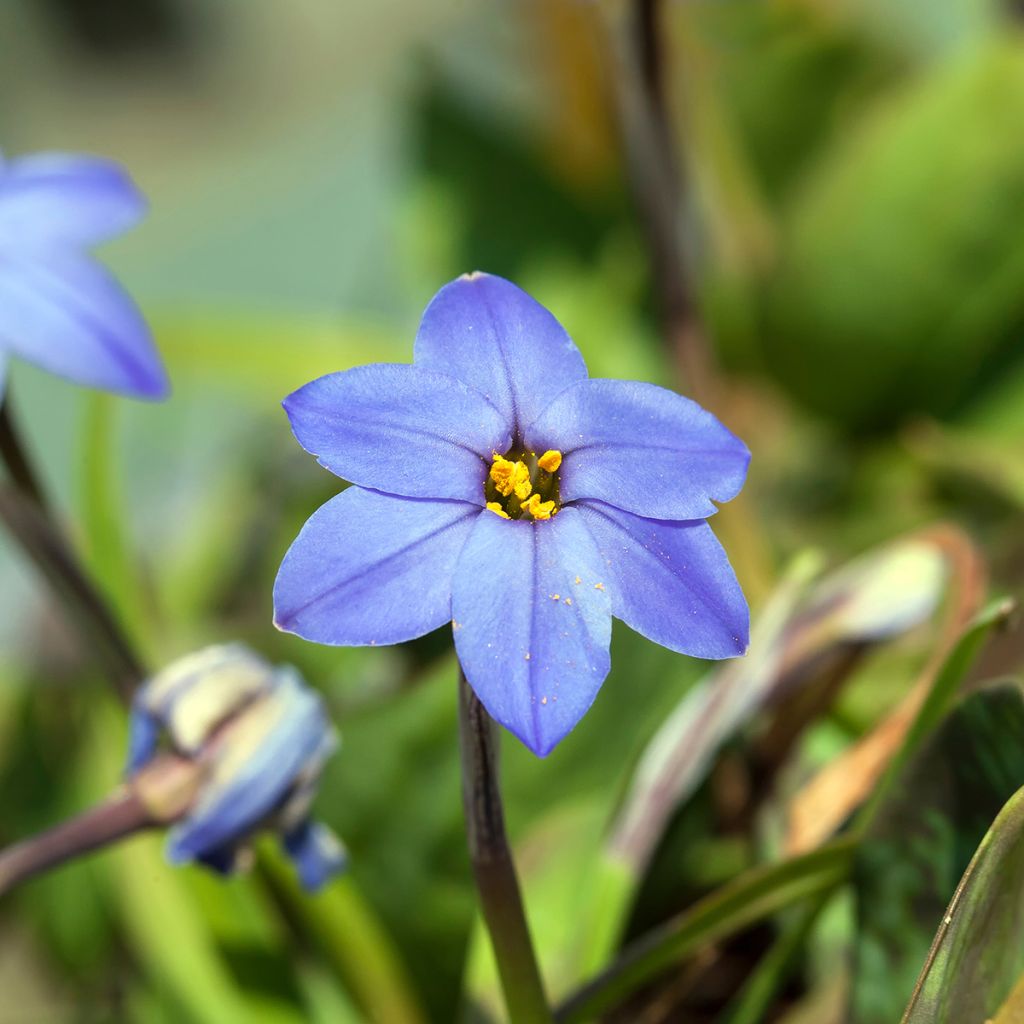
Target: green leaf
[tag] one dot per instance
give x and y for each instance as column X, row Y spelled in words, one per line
column 941, row 697
column 749, row 898
column 921, row 840
column 888, row 266
column 978, row 953
column 351, row 938
column 107, row 553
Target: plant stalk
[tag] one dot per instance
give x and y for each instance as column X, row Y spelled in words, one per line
column 15, row 456
column 114, row 819
column 41, row 540
column 493, row 869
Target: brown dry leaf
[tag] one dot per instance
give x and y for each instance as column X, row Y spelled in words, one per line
column 824, row 803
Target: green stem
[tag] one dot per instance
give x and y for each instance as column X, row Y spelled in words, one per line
column 500, row 899
column 737, row 905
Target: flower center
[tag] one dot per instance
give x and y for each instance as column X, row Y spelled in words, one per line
column 523, row 484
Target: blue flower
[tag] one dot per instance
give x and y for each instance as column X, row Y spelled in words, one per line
column 59, row 308
column 259, row 738
column 499, row 488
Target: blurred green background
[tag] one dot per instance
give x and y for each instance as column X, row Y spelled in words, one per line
column 853, row 222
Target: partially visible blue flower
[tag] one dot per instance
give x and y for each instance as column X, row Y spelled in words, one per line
column 499, row 488
column 260, row 737
column 59, row 308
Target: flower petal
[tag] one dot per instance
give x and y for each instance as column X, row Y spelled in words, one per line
column 400, row 429
column 316, row 852
column 265, row 751
column 671, row 582
column 532, row 621
column 63, row 198
column 641, row 448
column 494, row 337
column 371, row 568
column 68, row 316
column 143, row 737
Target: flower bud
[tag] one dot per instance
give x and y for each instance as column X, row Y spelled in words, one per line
column 257, row 737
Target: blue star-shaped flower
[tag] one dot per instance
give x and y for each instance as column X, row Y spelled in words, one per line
column 59, row 308
column 500, row 488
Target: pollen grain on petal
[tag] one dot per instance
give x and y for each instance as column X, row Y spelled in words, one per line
column 495, row 507
column 550, row 461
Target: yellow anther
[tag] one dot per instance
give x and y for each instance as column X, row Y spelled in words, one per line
column 550, row 461
column 521, row 482
column 496, row 508
column 503, row 475
column 537, row 508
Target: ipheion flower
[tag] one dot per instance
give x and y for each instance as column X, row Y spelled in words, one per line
column 499, row 488
column 59, row 308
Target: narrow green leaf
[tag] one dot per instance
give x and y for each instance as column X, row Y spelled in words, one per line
column 747, row 899
column 922, row 839
column 978, row 953
column 940, row 699
column 350, row 936
column 107, row 553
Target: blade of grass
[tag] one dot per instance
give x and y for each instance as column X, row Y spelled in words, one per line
column 749, row 898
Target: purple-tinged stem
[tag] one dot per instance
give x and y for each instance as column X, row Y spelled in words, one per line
column 15, row 456
column 493, row 868
column 116, row 818
column 29, row 524
column 636, row 52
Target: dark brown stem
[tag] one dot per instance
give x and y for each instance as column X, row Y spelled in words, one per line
column 15, row 457
column 46, row 546
column 110, row 821
column 493, row 868
column 657, row 185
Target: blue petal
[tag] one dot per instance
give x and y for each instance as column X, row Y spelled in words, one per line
column 671, row 581
column 51, row 198
column 641, row 448
column 316, row 852
column 532, row 620
column 143, row 736
column 222, row 859
column 68, row 316
column 400, row 429
column 371, row 568
column 265, row 752
column 494, row 337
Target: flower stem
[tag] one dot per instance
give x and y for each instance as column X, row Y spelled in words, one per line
column 43, row 542
column 493, row 868
column 636, row 52
column 15, row 456
column 116, row 818
column 29, row 518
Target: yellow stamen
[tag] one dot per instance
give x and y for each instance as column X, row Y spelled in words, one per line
column 521, row 482
column 503, row 473
column 496, row 508
column 550, row 461
column 537, row 508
